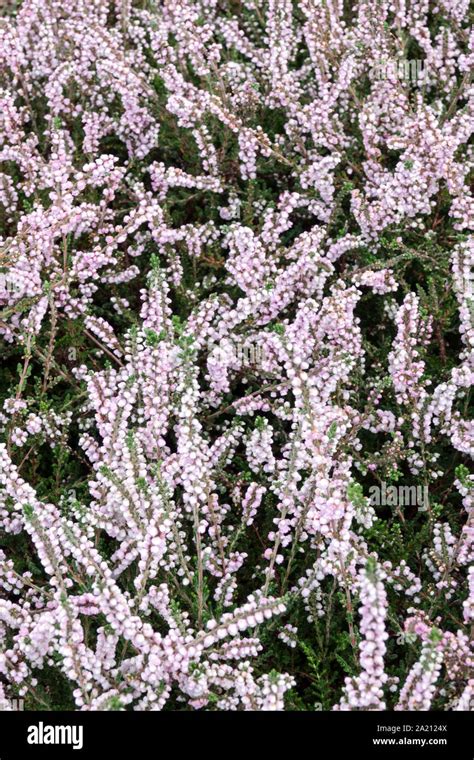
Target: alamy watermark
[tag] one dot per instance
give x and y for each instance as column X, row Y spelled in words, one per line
column 399, row 496
column 407, row 637
column 247, row 354
column 8, row 285
column 469, row 287
column 42, row 733
column 412, row 71
column 16, row 704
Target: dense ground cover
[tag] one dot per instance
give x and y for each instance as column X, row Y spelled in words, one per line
column 237, row 338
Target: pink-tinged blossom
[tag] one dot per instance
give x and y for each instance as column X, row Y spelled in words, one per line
column 237, row 294
column 366, row 691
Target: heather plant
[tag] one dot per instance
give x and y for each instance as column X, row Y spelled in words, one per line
column 237, row 300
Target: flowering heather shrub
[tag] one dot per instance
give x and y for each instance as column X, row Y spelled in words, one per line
column 236, row 295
